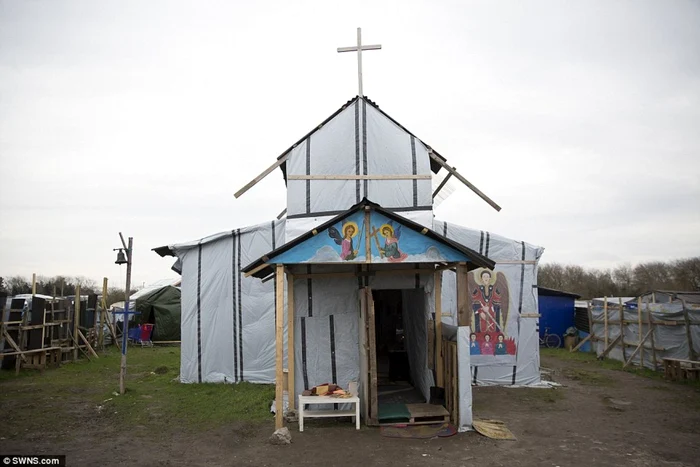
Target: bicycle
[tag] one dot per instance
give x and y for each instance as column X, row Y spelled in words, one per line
column 551, row 341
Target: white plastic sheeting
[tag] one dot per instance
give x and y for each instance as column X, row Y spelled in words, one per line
column 360, row 140
column 464, row 379
column 228, row 332
column 518, row 261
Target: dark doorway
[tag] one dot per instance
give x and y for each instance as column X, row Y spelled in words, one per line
column 394, row 381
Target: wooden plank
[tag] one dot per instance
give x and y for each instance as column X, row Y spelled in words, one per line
column 622, row 329
column 607, row 349
column 588, row 337
column 442, row 184
column 290, row 340
column 438, row 330
column 262, row 175
column 653, row 345
column 463, row 313
column 359, row 177
column 640, row 331
column 254, row 270
column 76, row 322
column 465, row 181
column 605, row 321
column 364, row 356
column 530, row 315
column 689, row 339
column 92, row 351
column 374, row 404
column 279, row 347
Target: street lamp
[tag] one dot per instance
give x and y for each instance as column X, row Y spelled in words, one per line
column 125, row 259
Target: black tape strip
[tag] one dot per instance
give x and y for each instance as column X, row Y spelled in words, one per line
column 364, row 144
column 240, row 307
column 515, row 368
column 303, row 353
column 332, row 334
column 481, row 244
column 415, row 170
column 357, row 153
column 309, row 293
column 308, row 172
column 488, row 240
column 444, row 229
column 476, row 370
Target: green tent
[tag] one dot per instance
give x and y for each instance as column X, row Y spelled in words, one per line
column 161, row 307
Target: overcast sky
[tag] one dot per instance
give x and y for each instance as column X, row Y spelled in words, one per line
column 581, row 119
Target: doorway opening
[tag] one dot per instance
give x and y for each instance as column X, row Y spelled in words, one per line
column 398, row 315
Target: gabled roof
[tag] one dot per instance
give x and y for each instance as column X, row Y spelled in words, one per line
column 434, row 166
column 264, row 265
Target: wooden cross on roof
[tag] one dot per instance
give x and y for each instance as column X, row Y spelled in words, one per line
column 359, row 48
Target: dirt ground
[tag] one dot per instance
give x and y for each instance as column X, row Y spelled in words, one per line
column 599, row 417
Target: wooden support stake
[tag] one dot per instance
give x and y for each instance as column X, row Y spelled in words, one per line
column 591, row 334
column 622, row 330
column 33, row 284
column 637, row 349
column 374, row 403
column 605, row 320
column 76, row 322
column 290, row 341
column 578, row 346
column 103, row 316
column 639, row 333
column 262, row 175
column 609, row 348
column 279, row 347
column 463, row 313
column 689, row 338
column 653, row 345
column 82, row 336
column 440, row 370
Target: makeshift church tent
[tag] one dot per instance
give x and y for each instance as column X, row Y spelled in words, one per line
column 234, row 327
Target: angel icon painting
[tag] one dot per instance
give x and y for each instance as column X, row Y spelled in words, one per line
column 488, row 293
column 391, row 243
column 347, row 251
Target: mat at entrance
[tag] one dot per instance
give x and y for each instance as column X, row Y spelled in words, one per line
column 441, row 430
column 393, row 413
column 494, row 429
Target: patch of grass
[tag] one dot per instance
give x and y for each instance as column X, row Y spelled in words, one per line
column 608, row 364
column 154, row 397
column 543, row 395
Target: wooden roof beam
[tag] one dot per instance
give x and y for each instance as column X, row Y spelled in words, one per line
column 264, row 174
column 465, row 181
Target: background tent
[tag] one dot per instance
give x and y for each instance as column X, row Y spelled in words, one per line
column 160, row 306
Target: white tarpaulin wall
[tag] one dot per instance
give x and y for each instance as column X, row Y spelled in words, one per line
column 228, row 332
column 228, row 319
column 518, row 261
column 673, row 339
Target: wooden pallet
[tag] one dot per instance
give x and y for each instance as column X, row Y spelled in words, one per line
column 423, row 414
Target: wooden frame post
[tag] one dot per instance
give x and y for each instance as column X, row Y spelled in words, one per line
column 639, row 325
column 279, row 347
column 605, row 322
column 76, row 323
column 686, row 318
column 463, row 314
column 653, row 343
column 622, row 330
column 290, row 341
column 103, row 316
column 440, row 367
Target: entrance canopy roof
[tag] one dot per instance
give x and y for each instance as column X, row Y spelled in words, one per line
column 368, row 234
